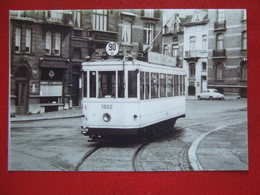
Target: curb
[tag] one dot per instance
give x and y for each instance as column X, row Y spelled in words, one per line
column 194, row 162
column 46, row 118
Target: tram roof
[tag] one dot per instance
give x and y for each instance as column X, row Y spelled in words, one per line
column 116, row 61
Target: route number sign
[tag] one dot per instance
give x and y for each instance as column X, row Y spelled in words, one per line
column 112, row 48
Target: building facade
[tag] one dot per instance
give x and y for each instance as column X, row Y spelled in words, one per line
column 172, row 39
column 195, row 52
column 48, row 47
column 228, row 51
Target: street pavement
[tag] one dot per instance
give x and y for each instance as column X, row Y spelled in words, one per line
column 210, row 151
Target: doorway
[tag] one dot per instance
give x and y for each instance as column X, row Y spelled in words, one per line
column 22, row 90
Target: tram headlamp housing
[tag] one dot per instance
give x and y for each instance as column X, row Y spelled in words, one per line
column 106, row 117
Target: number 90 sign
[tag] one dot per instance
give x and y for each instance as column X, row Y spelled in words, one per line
column 112, row 48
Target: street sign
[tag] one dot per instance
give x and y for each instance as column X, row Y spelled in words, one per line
column 112, row 48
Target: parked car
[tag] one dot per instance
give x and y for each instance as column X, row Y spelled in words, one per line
column 210, row 94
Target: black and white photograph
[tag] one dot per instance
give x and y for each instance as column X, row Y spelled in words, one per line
column 128, row 90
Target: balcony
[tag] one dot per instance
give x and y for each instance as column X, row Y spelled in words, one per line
column 220, row 26
column 104, row 36
column 219, row 53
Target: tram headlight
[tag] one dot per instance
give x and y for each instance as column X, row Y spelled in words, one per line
column 106, row 117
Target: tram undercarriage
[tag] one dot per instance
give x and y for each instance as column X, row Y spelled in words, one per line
column 100, row 134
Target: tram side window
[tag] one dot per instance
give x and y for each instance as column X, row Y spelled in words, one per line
column 85, row 84
column 180, row 83
column 154, row 85
column 121, row 92
column 183, row 84
column 176, row 85
column 147, row 85
column 141, row 85
column 169, row 85
column 107, row 84
column 92, row 84
column 132, row 84
column 162, row 85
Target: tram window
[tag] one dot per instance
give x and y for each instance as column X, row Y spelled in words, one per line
column 162, row 85
column 92, row 84
column 85, row 84
column 180, row 83
column 183, row 84
column 176, row 85
column 132, row 84
column 154, row 85
column 107, row 84
column 147, row 85
column 141, row 85
column 121, row 92
column 169, row 85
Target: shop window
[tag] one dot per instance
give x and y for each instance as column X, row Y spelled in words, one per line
column 99, row 20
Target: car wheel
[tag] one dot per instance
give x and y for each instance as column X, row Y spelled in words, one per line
column 199, row 97
column 210, row 98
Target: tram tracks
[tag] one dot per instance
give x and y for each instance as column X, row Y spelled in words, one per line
column 140, row 147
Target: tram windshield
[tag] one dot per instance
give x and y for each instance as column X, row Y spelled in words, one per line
column 107, row 84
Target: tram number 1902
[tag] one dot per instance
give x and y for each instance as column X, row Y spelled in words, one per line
column 106, row 106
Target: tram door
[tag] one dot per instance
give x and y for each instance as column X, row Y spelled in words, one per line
column 22, row 97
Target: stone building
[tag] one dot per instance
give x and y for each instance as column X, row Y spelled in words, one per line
column 172, row 39
column 40, row 61
column 195, row 51
column 228, row 51
column 48, row 47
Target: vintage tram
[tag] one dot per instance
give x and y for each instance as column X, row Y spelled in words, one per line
column 130, row 97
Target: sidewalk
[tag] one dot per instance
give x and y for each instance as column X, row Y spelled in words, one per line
column 71, row 113
column 225, row 148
